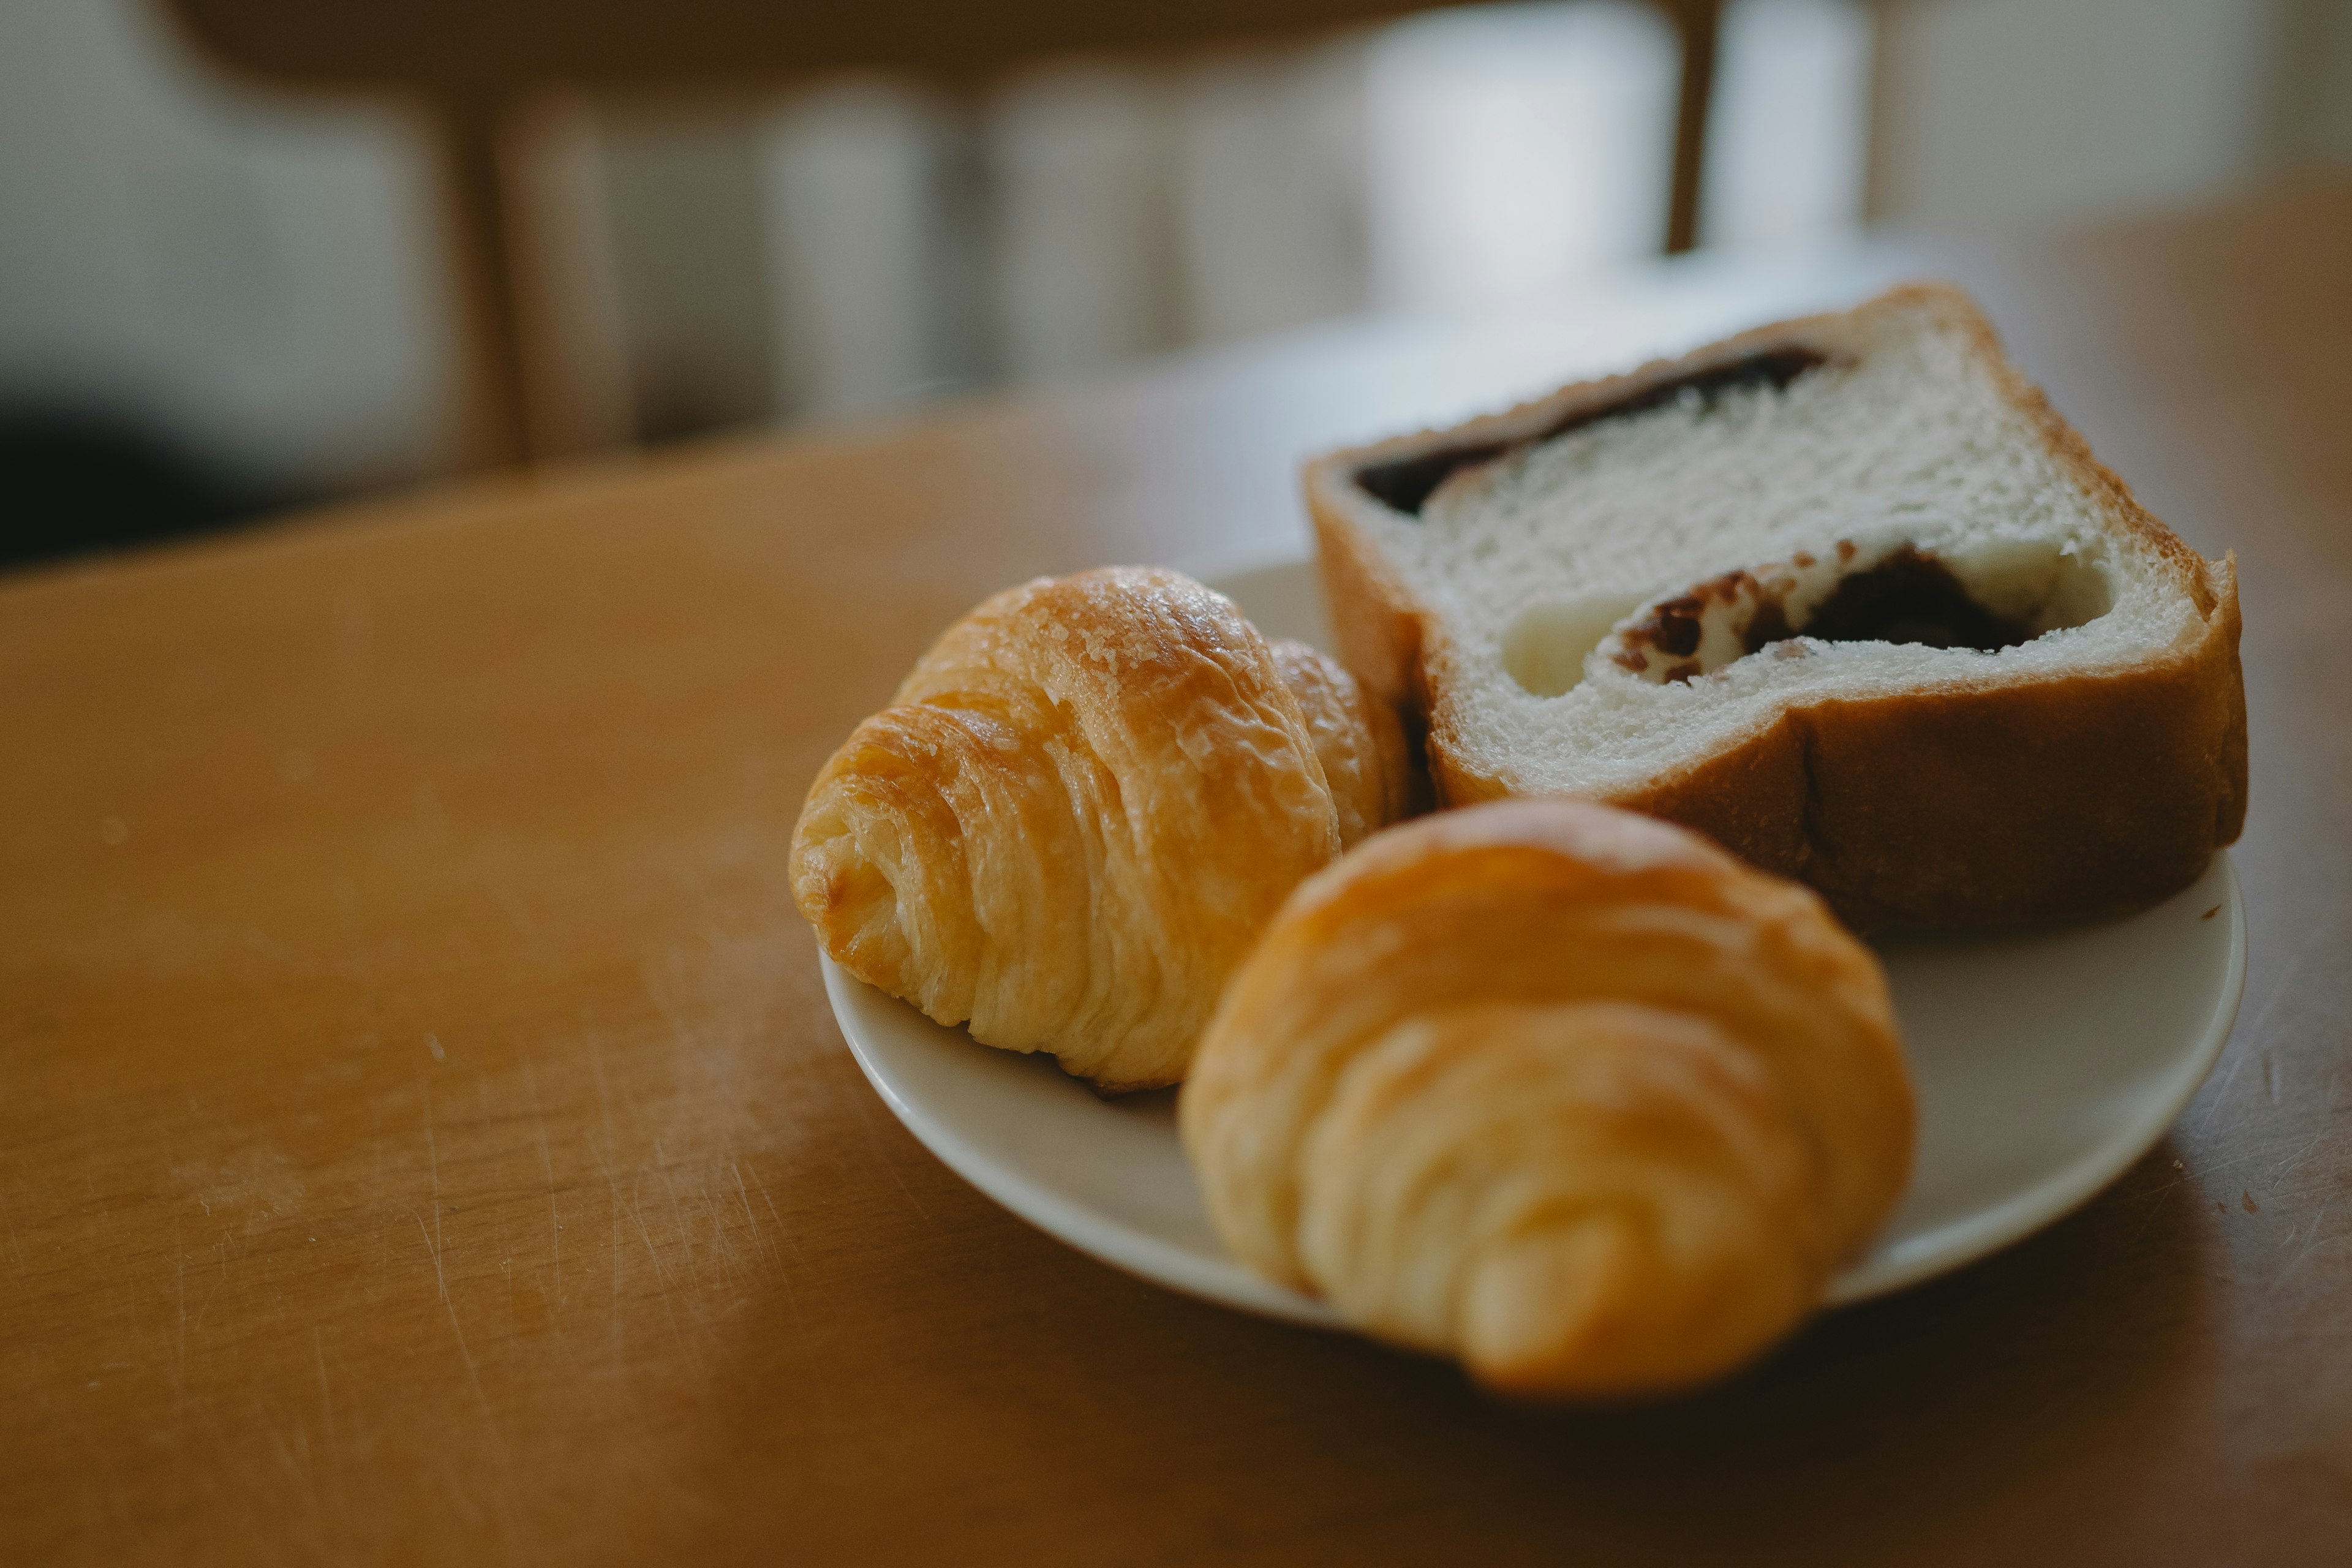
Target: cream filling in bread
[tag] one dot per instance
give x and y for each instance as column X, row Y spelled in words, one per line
column 1897, row 588
column 1636, row 587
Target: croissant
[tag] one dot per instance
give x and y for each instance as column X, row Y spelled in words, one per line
column 1567, row 1092
column 1360, row 742
column 1079, row 811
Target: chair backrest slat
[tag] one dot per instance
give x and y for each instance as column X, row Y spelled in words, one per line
column 473, row 62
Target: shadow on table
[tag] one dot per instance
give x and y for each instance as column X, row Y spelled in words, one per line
column 1077, row 1414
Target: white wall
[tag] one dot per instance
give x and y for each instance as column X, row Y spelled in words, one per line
column 259, row 279
column 1271, row 197
column 1513, row 148
column 2017, row 112
column 857, row 250
column 1790, row 125
column 265, row 279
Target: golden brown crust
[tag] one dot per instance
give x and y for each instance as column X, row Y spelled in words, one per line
column 1565, row 1091
column 2047, row 796
column 1357, row 741
column 1086, row 800
column 2076, row 796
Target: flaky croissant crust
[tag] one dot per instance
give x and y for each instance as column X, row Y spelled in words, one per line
column 1083, row 805
column 1565, row 1091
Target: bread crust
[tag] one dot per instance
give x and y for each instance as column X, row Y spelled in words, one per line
column 2029, row 797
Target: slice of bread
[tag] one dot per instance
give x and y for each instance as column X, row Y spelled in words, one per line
column 1844, row 594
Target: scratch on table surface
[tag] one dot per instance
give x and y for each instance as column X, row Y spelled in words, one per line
column 327, row 1408
column 2151, row 1200
column 2253, row 1031
column 294, row 1462
column 293, row 1458
column 426, row 1237
column 180, row 1259
column 326, row 1394
column 708, row 1208
column 613, row 1249
column 2297, row 1158
column 502, row 1458
column 220, row 1248
column 473, row 1373
column 604, row 1094
column 375, row 1187
column 433, row 1162
column 2246, row 1157
column 759, row 1245
column 792, row 1297
column 875, row 1138
column 782, row 1229
column 685, row 1226
column 440, row 1273
column 691, row 1343
column 637, row 1213
column 506, row 1259
column 2219, row 1093
column 2319, row 1235
column 458, row 1489
column 547, row 1169
column 605, row 1101
column 604, row 1153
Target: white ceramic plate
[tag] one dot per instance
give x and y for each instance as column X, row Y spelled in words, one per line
column 2045, row 1064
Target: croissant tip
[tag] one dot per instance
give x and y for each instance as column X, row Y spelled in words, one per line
column 1532, row 1311
column 1112, row 1091
column 1577, row 1314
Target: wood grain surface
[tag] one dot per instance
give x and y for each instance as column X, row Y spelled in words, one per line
column 423, row 1136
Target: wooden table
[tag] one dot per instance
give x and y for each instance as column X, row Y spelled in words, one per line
column 422, row 1134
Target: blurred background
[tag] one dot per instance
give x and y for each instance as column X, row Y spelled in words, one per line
column 246, row 263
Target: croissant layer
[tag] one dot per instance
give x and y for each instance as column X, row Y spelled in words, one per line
column 1083, row 803
column 1567, row 1092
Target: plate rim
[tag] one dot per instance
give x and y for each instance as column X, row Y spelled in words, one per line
column 2052, row 1199
column 1228, row 1282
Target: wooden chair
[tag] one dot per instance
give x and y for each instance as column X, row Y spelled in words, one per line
column 474, row 63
